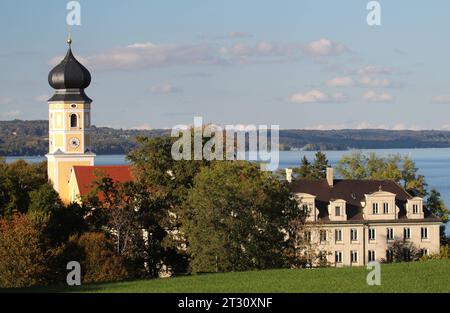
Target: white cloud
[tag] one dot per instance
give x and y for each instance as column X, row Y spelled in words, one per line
column 144, row 126
column 164, row 89
column 368, row 81
column 324, row 47
column 343, row 81
column 441, row 99
column 57, row 59
column 317, row 96
column 375, row 70
column 372, row 96
column 10, row 114
column 262, row 48
column 143, row 55
column 326, row 126
column 149, row 55
column 42, row 98
column 238, row 35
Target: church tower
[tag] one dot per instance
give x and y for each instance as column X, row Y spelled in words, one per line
column 69, row 122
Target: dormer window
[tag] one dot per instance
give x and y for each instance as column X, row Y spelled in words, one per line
column 305, row 208
column 73, row 120
column 337, row 210
column 385, row 208
column 375, row 208
column 415, row 209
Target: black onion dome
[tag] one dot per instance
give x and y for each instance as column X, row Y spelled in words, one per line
column 69, row 74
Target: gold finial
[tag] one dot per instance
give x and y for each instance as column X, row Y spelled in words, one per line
column 69, row 39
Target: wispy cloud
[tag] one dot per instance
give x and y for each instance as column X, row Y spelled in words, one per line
column 144, row 126
column 342, row 81
column 164, row 89
column 235, row 35
column 372, row 96
column 317, row 96
column 42, row 98
column 375, row 70
column 324, row 47
column 441, row 99
column 368, row 81
column 144, row 55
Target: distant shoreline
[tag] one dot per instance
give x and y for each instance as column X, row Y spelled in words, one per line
column 30, row 138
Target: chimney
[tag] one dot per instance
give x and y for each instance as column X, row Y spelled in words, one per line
column 289, row 175
column 330, row 177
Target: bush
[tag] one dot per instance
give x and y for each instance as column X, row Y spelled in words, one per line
column 23, row 254
column 96, row 255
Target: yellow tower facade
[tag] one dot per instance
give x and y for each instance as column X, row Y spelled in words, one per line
column 69, row 123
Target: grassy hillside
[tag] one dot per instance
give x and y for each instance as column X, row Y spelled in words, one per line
column 426, row 276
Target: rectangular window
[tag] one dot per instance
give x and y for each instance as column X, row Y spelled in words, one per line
column 415, row 209
column 424, row 233
column 338, row 234
column 406, row 233
column 372, row 234
column 354, row 256
column 389, row 255
column 385, row 208
column 375, row 208
column 337, row 210
column 305, row 208
column 338, row 256
column 371, row 255
column 307, row 236
column 423, row 252
column 353, row 234
column 390, row 234
column 323, row 235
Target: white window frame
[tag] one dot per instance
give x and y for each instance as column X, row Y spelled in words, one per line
column 375, row 208
column 385, row 207
column 424, row 231
column 390, row 233
column 307, row 235
column 338, row 257
column 406, row 233
column 353, row 256
column 371, row 256
column 336, row 237
column 336, row 209
column 374, row 232
column 415, row 208
column 353, row 234
column 323, row 238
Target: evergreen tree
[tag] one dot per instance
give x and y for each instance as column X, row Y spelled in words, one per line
column 304, row 171
column 319, row 167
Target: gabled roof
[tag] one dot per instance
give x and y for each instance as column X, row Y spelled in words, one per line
column 86, row 175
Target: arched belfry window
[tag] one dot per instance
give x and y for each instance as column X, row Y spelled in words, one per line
column 73, row 120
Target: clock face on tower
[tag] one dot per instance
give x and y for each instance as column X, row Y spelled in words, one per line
column 74, row 142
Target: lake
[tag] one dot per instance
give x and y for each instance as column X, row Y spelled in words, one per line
column 433, row 163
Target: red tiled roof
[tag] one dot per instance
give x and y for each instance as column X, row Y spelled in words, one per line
column 86, row 175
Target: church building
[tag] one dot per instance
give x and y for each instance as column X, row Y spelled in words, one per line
column 70, row 159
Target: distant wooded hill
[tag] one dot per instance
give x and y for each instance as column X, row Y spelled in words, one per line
column 30, row 138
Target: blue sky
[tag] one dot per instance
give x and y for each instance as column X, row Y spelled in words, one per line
column 298, row 64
